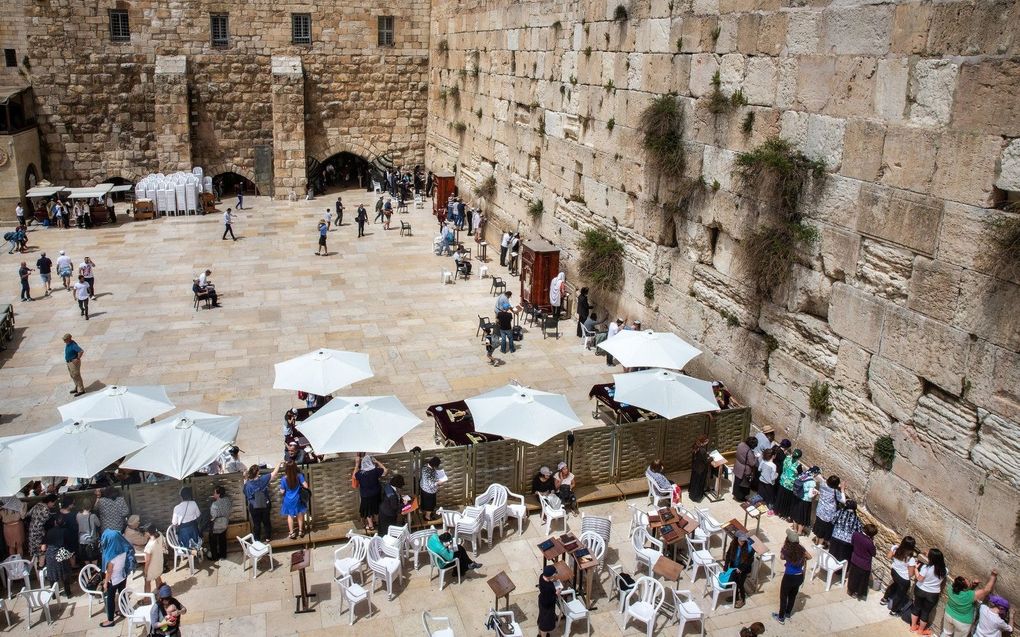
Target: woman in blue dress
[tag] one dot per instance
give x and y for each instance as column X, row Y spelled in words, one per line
column 290, row 487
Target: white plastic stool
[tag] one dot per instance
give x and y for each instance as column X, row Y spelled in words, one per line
column 445, row 276
column 483, row 271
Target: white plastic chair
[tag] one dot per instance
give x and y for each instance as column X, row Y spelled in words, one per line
column 350, row 558
column 253, row 552
column 394, row 543
column 16, row 569
column 181, row 553
column 595, row 545
column 135, row 613
column 516, row 509
column 685, row 609
column 647, row 556
column 384, row 567
column 826, row 562
column 644, row 602
column 353, row 594
column 550, row 514
column 7, row 612
column 698, row 559
column 638, row 518
column 469, row 525
column 709, row 525
column 40, row 599
column 436, row 563
column 618, row 585
column 657, row 495
column 573, row 610
column 439, row 631
column 86, row 572
column 717, row 588
column 504, row 617
column 417, row 543
column 587, row 339
column 450, row 519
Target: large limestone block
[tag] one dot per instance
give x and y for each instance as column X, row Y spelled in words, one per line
column 998, row 447
column 993, row 374
column 853, row 87
column 965, row 165
column 703, row 68
column 967, row 235
column 807, row 291
column 944, row 421
column 900, row 217
column 930, row 349
column 718, row 166
column 724, row 294
column 998, row 508
column 988, row 98
column 817, row 136
column 932, row 85
column 934, row 289
column 955, row 485
column 803, row 31
column 910, row 28
column 834, row 201
column 807, row 338
column 815, row 75
column 862, row 149
column 791, row 380
column 857, row 315
column 1008, row 176
column 852, row 367
column 891, row 88
column 861, row 30
column 786, row 88
column 782, row 415
column 738, row 348
column 908, row 158
column 893, row 389
column 759, row 84
column 884, row 270
column 838, row 250
column 989, row 307
column 973, row 28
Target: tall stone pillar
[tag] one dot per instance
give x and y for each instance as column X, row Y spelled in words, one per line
column 173, row 122
column 288, row 127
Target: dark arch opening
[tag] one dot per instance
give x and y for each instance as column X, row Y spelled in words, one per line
column 31, row 177
column 339, row 172
column 229, row 184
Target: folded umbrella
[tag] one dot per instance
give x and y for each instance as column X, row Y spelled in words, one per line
column 140, row 403
column 362, row 423
column 667, row 393
column 182, row 444
column 525, row 414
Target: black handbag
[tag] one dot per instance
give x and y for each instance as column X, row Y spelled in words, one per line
column 306, row 496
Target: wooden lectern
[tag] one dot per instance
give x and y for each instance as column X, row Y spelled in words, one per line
column 540, row 263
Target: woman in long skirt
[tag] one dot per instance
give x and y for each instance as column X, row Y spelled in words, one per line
column 784, row 494
column 700, row 465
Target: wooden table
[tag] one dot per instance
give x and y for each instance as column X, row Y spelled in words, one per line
column 751, row 511
column 563, row 572
column 501, row 586
column 668, row 569
column 582, row 566
column 553, row 553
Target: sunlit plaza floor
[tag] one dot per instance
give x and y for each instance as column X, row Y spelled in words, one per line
column 381, row 295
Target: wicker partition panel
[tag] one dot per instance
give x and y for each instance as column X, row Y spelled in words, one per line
column 495, row 462
column 637, row 446
column 233, row 482
column 333, row 499
column 728, row 428
column 592, row 457
column 155, row 502
column 453, row 493
column 679, row 436
column 404, row 463
column 548, row 454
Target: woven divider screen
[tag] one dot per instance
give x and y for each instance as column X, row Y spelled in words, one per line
column 637, row 446
column 458, row 469
column 497, row 461
column 548, row 454
column 592, row 457
column 333, row 499
column 726, row 429
column 404, row 463
column 678, row 439
column 154, row 502
column 233, row 482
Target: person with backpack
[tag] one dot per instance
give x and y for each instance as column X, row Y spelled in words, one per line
column 738, row 562
column 256, row 494
column 805, row 489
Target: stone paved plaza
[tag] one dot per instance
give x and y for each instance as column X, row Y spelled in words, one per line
column 381, row 295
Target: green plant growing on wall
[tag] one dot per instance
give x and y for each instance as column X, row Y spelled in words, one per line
column 883, row 452
column 689, row 193
column 738, row 98
column 818, row 399
column 771, row 249
column 662, row 123
column 609, row 85
column 478, row 112
column 460, row 127
column 717, row 100
column 486, row 189
column 649, row 289
column 533, row 105
column 536, row 208
column 462, row 73
column 716, row 185
column 620, row 13
column 679, row 45
column 731, row 318
column 443, row 46
column 601, row 261
column 573, row 80
column 605, row 36
column 1007, row 238
column 541, row 127
column 454, row 94
column 577, row 197
column 715, row 33
column 574, row 225
column 556, row 25
column 611, row 123
column 748, row 124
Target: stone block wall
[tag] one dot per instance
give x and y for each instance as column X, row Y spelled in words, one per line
column 13, row 35
column 901, row 306
column 98, row 100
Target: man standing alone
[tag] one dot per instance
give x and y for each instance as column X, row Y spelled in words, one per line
column 323, row 229
column 81, row 294
column 72, row 356
column 240, row 197
column 23, row 272
column 229, row 219
column 505, row 321
column 362, row 219
column 45, row 265
column 19, row 212
column 378, row 210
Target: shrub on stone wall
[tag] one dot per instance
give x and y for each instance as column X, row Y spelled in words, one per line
column 662, row 123
column 486, row 189
column 1008, row 237
column 884, row 452
column 818, row 399
column 536, row 208
column 601, row 260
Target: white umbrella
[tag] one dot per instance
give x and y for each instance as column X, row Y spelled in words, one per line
column 322, row 372
column 140, row 403
column 75, row 448
column 9, row 483
column 182, row 444
column 525, row 414
column 362, row 423
column 649, row 349
column 667, row 393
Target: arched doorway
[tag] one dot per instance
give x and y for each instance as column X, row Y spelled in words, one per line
column 31, row 177
column 227, row 184
column 338, row 172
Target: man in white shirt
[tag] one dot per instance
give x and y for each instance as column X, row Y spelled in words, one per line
column 19, row 212
column 504, row 245
column 227, row 220
column 232, row 463
column 81, row 294
column 614, row 329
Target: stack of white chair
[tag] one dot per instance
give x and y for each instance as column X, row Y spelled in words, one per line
column 349, row 559
column 597, row 524
column 386, row 568
column 493, row 501
column 394, row 543
column 469, row 525
column 353, row 594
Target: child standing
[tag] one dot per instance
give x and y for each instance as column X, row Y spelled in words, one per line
column 490, row 344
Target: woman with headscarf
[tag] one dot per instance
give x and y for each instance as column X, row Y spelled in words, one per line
column 118, row 562
column 165, row 616
column 38, row 516
column 700, row 465
column 557, row 290
column 292, row 507
column 367, row 472
column 185, row 518
column 12, row 515
column 844, row 524
column 547, row 601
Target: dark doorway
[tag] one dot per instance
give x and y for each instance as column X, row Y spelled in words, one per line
column 338, row 172
column 227, row 184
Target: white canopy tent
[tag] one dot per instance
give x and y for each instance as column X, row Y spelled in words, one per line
column 649, row 349
column 45, row 191
column 98, row 191
column 182, row 444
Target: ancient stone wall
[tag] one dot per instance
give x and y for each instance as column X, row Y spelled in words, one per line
column 98, row 99
column 901, row 306
column 13, row 36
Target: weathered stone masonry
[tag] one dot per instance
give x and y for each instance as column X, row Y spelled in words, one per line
column 915, row 109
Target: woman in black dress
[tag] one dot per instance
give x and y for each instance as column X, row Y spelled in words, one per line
column 700, row 465
column 547, row 602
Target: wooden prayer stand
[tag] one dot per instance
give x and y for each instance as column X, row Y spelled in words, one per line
column 299, row 561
